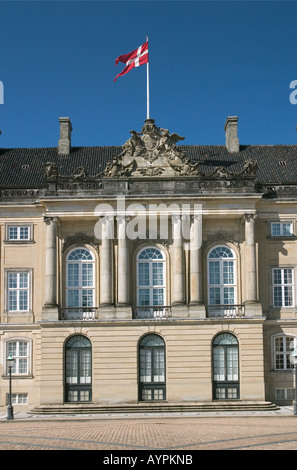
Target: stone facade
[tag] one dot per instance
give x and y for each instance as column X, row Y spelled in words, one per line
column 148, row 279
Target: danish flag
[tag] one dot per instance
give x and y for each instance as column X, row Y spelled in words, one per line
column 133, row 59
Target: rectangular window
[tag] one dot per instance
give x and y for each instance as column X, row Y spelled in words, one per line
column 283, row 287
column 19, row 232
column 20, row 352
column 281, row 229
column 282, row 352
column 18, row 291
column 18, row 398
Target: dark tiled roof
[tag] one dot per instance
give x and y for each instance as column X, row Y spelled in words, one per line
column 277, row 164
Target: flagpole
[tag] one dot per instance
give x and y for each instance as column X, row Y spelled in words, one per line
column 147, row 89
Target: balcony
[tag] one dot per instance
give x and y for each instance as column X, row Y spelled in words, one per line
column 152, row 313
column 81, row 313
column 225, row 311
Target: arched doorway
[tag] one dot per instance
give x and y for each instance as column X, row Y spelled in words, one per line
column 78, row 369
column 152, row 381
column 225, row 367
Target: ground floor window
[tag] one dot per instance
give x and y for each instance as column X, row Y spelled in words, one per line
column 152, row 382
column 78, row 369
column 225, row 367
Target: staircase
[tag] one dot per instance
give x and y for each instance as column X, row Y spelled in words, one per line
column 161, row 407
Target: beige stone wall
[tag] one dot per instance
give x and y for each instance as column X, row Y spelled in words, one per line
column 114, row 344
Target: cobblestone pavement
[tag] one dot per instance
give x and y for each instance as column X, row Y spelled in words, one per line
column 147, row 435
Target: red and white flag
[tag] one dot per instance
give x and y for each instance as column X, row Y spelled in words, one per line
column 133, row 59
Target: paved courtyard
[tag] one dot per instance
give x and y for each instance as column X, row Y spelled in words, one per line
column 148, row 435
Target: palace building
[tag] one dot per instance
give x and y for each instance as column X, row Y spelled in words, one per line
column 151, row 276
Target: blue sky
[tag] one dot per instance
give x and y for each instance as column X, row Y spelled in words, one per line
column 208, row 60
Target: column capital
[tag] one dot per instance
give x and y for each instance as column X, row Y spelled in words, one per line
column 48, row 220
column 248, row 217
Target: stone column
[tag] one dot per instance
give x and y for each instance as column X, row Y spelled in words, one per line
column 50, row 308
column 197, row 308
column 251, row 301
column 106, row 257
column 178, row 272
column 123, row 263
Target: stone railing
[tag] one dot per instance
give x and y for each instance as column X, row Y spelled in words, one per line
column 152, row 313
column 81, row 313
column 225, row 311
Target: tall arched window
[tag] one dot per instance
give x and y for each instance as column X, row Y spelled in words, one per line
column 152, row 385
column 221, row 279
column 225, row 367
column 80, row 278
column 151, row 281
column 78, row 369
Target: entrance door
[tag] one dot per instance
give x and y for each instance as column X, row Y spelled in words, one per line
column 152, row 384
column 78, row 370
column 225, row 367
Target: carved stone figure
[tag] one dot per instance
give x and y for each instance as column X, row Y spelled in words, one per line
column 51, row 170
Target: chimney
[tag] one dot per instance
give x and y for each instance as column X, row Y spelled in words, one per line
column 64, row 144
column 232, row 142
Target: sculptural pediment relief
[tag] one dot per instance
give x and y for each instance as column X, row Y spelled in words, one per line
column 151, row 152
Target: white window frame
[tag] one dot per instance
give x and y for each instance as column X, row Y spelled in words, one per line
column 221, row 285
column 283, row 285
column 282, row 224
column 19, row 357
column 18, row 290
column 284, row 352
column 18, row 398
column 151, row 286
column 18, row 228
column 80, row 288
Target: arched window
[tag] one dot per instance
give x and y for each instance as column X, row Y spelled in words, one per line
column 151, row 279
column 80, row 278
column 221, row 278
column 225, row 367
column 152, row 384
column 78, row 369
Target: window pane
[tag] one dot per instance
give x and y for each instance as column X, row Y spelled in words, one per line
column 87, row 275
column 157, row 274
column 12, row 300
column 232, row 363
column 73, row 298
column 143, row 274
column 87, row 298
column 219, row 363
column 23, row 280
column 214, row 272
column 158, row 296
column 23, row 300
column 275, row 229
column 12, row 280
column 73, row 275
column 145, row 365
column 214, row 296
column 277, row 296
column 229, row 296
column 228, row 272
column 143, row 297
column 287, row 229
column 24, row 233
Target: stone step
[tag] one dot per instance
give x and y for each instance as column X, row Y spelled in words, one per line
column 72, row 408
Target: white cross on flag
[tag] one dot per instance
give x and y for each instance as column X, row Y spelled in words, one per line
column 133, row 59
